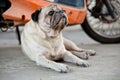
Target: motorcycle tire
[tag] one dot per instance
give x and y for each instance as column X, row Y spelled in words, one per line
column 90, row 32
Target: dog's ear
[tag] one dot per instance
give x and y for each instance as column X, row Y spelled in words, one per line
column 35, row 15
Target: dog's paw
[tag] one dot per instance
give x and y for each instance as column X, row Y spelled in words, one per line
column 90, row 52
column 82, row 63
column 83, row 55
column 62, row 68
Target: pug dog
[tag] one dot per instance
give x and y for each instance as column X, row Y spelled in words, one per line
column 42, row 40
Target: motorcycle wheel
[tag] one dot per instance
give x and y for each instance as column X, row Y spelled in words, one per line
column 100, row 30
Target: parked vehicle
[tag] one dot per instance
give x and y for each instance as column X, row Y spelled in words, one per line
column 100, row 19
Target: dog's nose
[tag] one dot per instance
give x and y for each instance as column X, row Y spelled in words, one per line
column 62, row 14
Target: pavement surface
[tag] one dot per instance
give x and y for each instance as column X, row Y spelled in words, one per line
column 14, row 65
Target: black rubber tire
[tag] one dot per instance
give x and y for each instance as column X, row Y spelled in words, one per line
column 104, row 40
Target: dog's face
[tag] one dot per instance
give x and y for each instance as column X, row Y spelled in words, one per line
column 51, row 19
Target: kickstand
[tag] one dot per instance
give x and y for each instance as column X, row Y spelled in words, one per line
column 18, row 34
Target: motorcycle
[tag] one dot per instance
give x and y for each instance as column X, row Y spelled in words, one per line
column 100, row 19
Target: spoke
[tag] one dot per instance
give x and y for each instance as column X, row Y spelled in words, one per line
column 92, row 4
column 88, row 14
column 95, row 21
column 96, row 26
column 90, row 18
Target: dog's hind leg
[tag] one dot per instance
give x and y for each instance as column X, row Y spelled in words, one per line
column 73, row 48
column 43, row 61
column 69, row 57
column 69, row 45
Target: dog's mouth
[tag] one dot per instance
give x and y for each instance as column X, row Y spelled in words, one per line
column 57, row 17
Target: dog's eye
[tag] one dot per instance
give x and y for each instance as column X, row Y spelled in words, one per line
column 51, row 13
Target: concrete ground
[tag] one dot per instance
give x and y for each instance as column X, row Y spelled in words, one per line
column 14, row 65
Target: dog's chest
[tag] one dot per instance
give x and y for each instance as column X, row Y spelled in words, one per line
column 55, row 48
column 55, row 45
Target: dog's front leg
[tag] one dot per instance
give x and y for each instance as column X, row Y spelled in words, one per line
column 69, row 57
column 43, row 61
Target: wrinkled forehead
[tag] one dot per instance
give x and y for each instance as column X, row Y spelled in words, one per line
column 53, row 7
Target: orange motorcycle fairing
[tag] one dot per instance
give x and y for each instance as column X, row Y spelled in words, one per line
column 20, row 11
